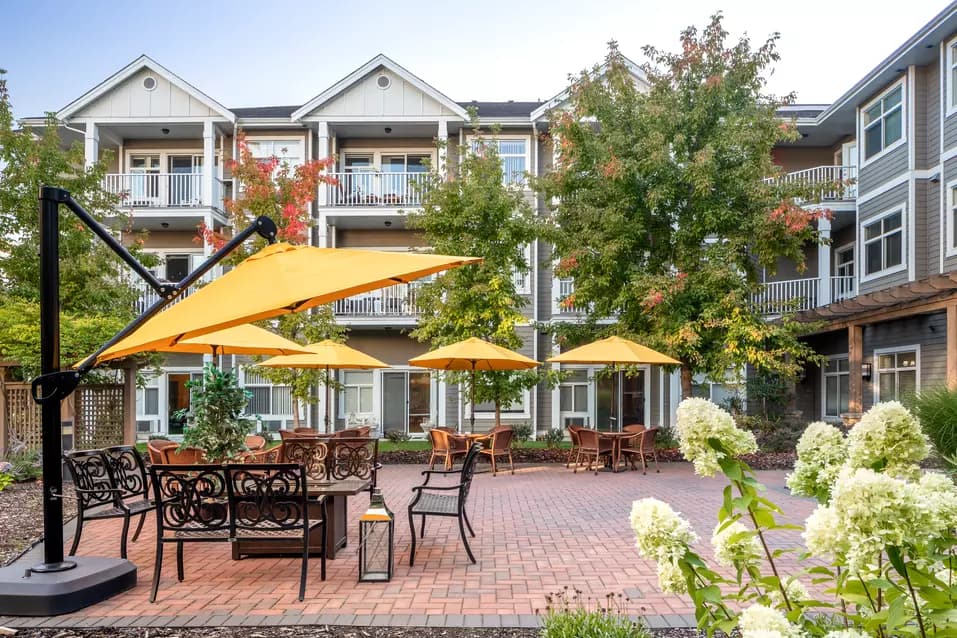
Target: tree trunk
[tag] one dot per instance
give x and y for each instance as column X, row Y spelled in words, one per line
column 686, row 379
column 295, row 413
column 498, row 413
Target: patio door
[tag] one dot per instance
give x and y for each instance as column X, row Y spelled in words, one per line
column 607, row 402
column 406, row 401
column 145, row 180
column 185, row 181
column 844, row 268
column 178, row 398
column 633, row 399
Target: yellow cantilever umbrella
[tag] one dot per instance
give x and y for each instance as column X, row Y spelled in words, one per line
column 613, row 351
column 277, row 280
column 243, row 339
column 326, row 355
column 473, row 354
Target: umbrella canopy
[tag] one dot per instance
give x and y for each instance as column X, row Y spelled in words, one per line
column 473, row 354
column 613, row 351
column 243, row 339
column 326, row 355
column 277, row 280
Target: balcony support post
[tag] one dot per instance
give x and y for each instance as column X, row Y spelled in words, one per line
column 824, row 262
column 855, row 356
column 209, row 161
column 91, row 144
column 952, row 347
column 442, row 139
column 323, row 153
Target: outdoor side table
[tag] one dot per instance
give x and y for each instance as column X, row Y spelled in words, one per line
column 336, row 495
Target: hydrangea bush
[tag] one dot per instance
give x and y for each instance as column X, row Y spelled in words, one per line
column 880, row 547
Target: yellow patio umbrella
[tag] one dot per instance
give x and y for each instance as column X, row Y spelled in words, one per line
column 473, row 354
column 277, row 280
column 242, row 339
column 326, row 355
column 614, row 351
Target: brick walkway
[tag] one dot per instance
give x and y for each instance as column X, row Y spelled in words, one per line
column 537, row 531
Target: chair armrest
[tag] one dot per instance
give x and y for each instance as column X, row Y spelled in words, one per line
column 424, row 472
column 445, row 488
column 103, row 489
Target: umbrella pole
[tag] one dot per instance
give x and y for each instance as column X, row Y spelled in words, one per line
column 472, row 417
column 328, row 404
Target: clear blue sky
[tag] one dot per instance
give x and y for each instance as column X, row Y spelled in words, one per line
column 245, row 53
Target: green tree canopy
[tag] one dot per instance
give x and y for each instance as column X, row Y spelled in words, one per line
column 475, row 212
column 665, row 216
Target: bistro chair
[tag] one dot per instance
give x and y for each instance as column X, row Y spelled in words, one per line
column 573, row 431
column 192, row 506
column 310, row 452
column 593, row 445
column 446, row 446
column 628, row 442
column 645, row 450
column 354, row 432
column 155, row 447
column 500, row 444
column 309, row 431
column 445, row 500
column 109, row 484
column 255, row 442
column 264, row 455
column 268, row 502
column 354, row 457
column 183, row 456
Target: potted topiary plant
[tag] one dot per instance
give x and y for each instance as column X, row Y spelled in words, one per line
column 215, row 419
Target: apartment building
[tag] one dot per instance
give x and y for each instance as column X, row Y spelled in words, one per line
column 883, row 288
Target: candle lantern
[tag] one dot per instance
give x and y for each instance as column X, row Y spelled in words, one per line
column 376, row 536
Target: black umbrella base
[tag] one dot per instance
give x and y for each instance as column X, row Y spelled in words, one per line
column 28, row 593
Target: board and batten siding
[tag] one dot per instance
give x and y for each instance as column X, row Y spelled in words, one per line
column 883, row 203
column 928, row 228
column 928, row 331
column 927, row 118
column 131, row 99
column 883, row 169
column 401, row 98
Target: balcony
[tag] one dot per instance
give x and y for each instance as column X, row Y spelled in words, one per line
column 839, row 182
column 798, row 295
column 148, row 297
column 164, row 190
column 396, row 302
column 376, row 189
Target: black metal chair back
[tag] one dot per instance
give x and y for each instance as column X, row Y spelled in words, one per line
column 129, row 471
column 190, row 498
column 267, row 496
column 92, row 478
column 353, row 457
column 468, row 471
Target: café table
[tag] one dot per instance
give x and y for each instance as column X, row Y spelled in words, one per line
column 336, row 495
column 616, row 440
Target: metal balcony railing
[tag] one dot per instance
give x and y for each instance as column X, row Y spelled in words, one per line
column 374, row 188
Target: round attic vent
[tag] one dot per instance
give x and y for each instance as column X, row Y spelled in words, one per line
column 149, row 83
column 383, row 82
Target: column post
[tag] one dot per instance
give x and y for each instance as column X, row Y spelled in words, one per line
column 855, row 356
column 824, row 262
column 91, row 143
column 209, row 161
column 952, row 347
column 442, row 139
column 323, row 153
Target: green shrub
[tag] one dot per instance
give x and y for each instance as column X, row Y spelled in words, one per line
column 937, row 411
column 773, row 434
column 666, row 439
column 6, row 480
column 158, row 437
column 397, row 436
column 523, row 432
column 216, row 421
column 568, row 615
column 24, row 465
column 553, row 438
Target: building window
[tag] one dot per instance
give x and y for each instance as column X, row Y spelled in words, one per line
column 356, row 394
column 951, row 220
column 883, row 121
column 897, row 375
column 573, row 398
column 286, row 151
column 518, row 408
column 147, row 406
column 271, row 402
column 836, row 387
column 523, row 280
column 728, row 394
column 952, row 77
column 513, row 155
column 843, row 281
column 884, row 243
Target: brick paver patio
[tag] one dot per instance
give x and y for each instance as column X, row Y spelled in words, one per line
column 537, row 531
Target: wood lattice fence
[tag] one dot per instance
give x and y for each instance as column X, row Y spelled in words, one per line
column 21, row 416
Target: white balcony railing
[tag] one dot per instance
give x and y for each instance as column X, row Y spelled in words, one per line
column 398, row 300
column 163, row 190
column 148, row 297
column 377, row 189
column 790, row 295
column 841, row 182
column 564, row 303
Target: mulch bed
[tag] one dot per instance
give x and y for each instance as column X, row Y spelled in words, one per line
column 21, row 518
column 317, row 631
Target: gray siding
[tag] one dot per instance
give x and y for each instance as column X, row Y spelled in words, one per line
column 928, row 120
column 807, row 394
column 544, row 291
column 950, row 122
column 950, row 174
column 921, row 228
column 928, row 228
column 543, row 394
column 927, row 331
column 883, row 169
column 881, row 204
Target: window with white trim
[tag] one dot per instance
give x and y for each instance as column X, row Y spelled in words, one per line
column 148, row 406
column 883, row 121
column 356, row 394
column 287, row 151
column 573, row 392
column 836, row 380
column 952, row 76
column 951, row 220
column 523, row 280
column 727, row 394
column 897, row 374
column 884, row 243
column 517, row 408
column 271, row 402
column 513, row 154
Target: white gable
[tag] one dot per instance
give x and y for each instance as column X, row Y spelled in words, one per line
column 132, row 99
column 399, row 98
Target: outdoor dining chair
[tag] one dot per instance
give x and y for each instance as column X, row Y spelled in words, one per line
column 155, row 447
column 445, row 500
column 446, row 446
column 310, row 452
column 593, row 445
column 183, row 456
column 311, row 431
column 109, row 483
column 573, row 431
column 255, row 442
column 645, row 451
column 500, row 444
column 354, row 457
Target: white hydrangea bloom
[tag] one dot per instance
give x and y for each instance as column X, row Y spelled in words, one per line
column 821, row 452
column 822, row 534
column 937, row 497
column 660, row 532
column 873, row 511
column 699, row 420
column 846, row 633
column 796, row 592
column 759, row 621
column 670, row 578
column 888, row 433
column 734, row 545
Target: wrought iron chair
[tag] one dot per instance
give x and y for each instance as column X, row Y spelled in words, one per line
column 445, row 500
column 103, row 481
column 354, row 457
column 446, row 446
column 593, row 445
column 644, row 451
column 500, row 444
column 268, row 502
column 192, row 505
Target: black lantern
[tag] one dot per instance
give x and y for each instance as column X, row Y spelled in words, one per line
column 376, row 534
